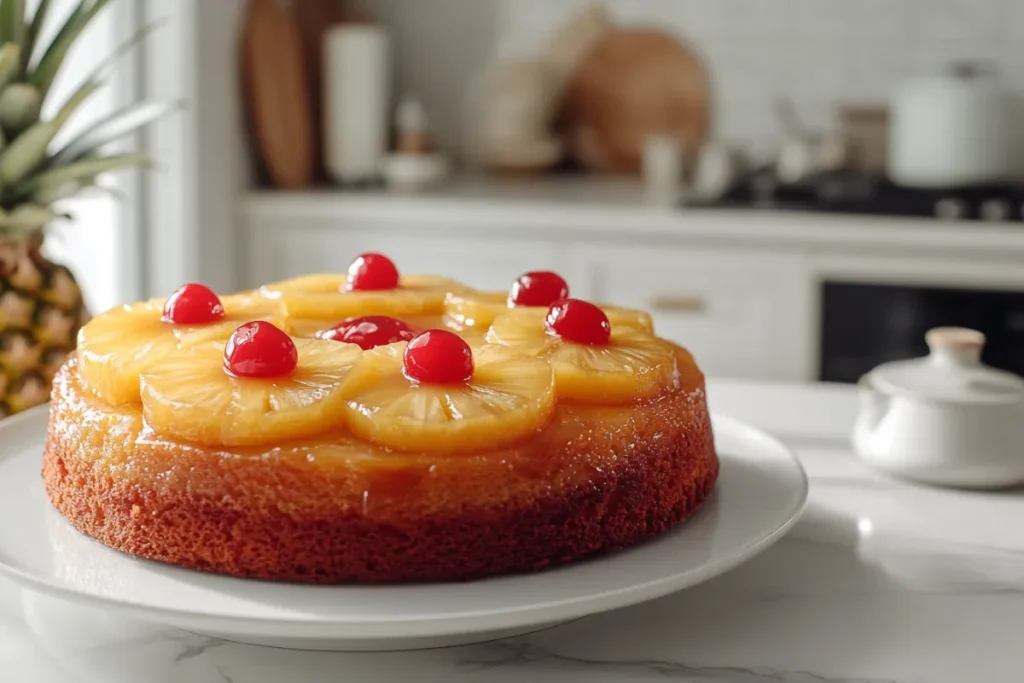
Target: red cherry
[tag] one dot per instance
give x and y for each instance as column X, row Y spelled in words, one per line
column 369, row 331
column 258, row 349
column 537, row 288
column 193, row 304
column 371, row 272
column 438, row 357
column 578, row 321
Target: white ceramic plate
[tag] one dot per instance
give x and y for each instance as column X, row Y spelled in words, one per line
column 760, row 493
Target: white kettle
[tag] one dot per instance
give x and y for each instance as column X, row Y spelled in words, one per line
column 958, row 128
column 945, row 419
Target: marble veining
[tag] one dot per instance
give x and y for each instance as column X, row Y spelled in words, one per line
column 880, row 582
column 511, row 654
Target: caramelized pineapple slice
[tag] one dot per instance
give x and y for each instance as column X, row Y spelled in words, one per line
column 508, row 398
column 114, row 347
column 188, row 395
column 323, row 297
column 632, row 365
column 468, row 311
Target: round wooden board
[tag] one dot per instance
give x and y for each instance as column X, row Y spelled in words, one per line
column 633, row 83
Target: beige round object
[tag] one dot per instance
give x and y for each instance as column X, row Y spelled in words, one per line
column 632, row 84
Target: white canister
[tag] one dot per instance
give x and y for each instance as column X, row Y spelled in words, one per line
column 959, row 128
column 356, row 97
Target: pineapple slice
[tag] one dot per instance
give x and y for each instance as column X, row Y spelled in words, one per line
column 323, row 297
column 632, row 365
column 114, row 347
column 188, row 395
column 467, row 311
column 508, row 398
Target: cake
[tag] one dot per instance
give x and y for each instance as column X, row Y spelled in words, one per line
column 371, row 427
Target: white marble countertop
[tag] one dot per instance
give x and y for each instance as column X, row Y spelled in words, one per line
column 880, row 581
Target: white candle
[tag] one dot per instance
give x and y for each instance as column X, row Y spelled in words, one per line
column 356, row 96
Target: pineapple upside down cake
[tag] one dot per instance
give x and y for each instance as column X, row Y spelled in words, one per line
column 374, row 427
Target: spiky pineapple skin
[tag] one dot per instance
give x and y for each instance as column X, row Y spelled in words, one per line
column 41, row 311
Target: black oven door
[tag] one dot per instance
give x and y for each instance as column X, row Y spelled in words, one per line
column 863, row 325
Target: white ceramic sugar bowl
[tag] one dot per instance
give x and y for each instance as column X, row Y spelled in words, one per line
column 945, row 419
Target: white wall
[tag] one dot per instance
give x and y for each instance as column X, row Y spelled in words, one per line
column 816, row 52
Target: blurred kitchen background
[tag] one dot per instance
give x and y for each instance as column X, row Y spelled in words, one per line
column 797, row 189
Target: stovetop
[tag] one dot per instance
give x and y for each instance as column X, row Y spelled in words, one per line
column 853, row 193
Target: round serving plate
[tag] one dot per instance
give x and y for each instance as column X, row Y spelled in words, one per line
column 760, row 493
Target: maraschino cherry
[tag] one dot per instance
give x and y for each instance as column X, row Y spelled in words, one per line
column 193, row 304
column 369, row 331
column 258, row 349
column 438, row 357
column 371, row 272
column 537, row 288
column 578, row 321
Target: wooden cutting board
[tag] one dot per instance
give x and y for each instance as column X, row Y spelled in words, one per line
column 633, row 83
column 277, row 93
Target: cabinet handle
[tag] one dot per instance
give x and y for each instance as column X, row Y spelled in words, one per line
column 677, row 303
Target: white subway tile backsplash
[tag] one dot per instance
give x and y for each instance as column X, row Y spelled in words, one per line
column 818, row 53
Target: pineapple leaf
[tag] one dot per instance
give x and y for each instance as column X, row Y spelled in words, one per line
column 109, row 129
column 27, row 152
column 95, row 79
column 46, row 70
column 32, row 34
column 26, row 219
column 10, row 63
column 19, row 108
column 12, row 21
column 80, row 172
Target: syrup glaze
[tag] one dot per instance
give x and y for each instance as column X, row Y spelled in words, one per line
column 578, row 444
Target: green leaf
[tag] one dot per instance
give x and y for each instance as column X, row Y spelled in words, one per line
column 19, row 108
column 95, row 79
column 27, row 152
column 46, row 70
column 33, row 32
column 25, row 219
column 12, row 20
column 82, row 170
column 10, row 63
column 108, row 129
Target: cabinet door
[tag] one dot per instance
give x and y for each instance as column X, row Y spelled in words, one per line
column 483, row 263
column 741, row 313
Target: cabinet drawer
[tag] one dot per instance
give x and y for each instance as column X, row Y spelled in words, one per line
column 741, row 313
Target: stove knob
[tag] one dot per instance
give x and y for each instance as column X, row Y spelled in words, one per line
column 995, row 210
column 951, row 209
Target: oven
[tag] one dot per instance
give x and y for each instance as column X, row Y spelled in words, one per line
column 865, row 323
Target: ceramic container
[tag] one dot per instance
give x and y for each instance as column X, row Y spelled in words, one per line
column 356, row 97
column 955, row 129
column 946, row 419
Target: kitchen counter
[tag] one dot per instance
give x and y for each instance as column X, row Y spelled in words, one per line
column 880, row 581
column 616, row 207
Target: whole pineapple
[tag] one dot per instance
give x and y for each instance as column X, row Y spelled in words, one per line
column 41, row 305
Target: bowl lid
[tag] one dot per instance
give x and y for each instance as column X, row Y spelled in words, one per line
column 952, row 372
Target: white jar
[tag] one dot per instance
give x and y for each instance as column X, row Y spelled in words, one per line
column 356, row 101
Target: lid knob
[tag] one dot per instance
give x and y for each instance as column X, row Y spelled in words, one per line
column 959, row 345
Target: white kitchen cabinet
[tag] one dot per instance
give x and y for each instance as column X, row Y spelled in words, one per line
column 741, row 313
column 481, row 262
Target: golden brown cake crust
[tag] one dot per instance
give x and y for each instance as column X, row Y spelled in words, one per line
column 331, row 511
